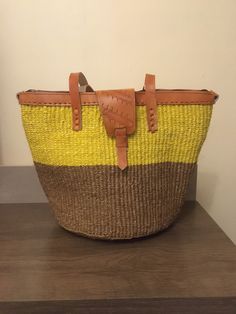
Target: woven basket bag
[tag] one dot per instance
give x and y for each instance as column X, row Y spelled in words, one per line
column 115, row 164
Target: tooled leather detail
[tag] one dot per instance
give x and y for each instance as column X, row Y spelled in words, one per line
column 117, row 108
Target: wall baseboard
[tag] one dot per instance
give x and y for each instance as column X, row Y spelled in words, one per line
column 20, row 184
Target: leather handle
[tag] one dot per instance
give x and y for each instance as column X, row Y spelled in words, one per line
column 150, row 102
column 77, row 83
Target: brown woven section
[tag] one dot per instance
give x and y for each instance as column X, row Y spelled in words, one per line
column 104, row 202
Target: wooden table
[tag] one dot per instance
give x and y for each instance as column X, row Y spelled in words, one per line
column 190, row 268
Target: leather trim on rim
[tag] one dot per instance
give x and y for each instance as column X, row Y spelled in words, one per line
column 163, row 97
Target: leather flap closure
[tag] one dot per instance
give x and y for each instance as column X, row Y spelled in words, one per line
column 117, row 108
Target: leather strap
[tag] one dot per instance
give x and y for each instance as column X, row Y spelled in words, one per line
column 77, row 83
column 117, row 108
column 121, row 147
column 150, row 102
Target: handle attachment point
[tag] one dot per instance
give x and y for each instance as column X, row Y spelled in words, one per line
column 77, row 83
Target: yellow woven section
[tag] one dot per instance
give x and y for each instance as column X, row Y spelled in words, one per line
column 181, row 131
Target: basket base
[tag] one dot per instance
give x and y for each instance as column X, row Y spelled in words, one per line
column 128, row 238
column 104, row 202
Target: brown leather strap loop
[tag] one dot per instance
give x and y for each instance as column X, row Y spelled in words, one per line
column 150, row 102
column 77, row 83
column 121, row 146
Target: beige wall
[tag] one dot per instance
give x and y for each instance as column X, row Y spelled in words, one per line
column 187, row 43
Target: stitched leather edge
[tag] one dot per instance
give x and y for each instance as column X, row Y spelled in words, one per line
column 163, row 97
column 150, row 101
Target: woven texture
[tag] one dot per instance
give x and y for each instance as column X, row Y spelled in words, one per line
column 104, row 202
column 89, row 194
column 181, row 132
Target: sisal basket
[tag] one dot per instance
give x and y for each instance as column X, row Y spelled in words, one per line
column 115, row 164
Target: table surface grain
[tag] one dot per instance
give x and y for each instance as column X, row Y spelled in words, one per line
column 189, row 268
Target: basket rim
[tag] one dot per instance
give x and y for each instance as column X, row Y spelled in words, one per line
column 163, row 97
